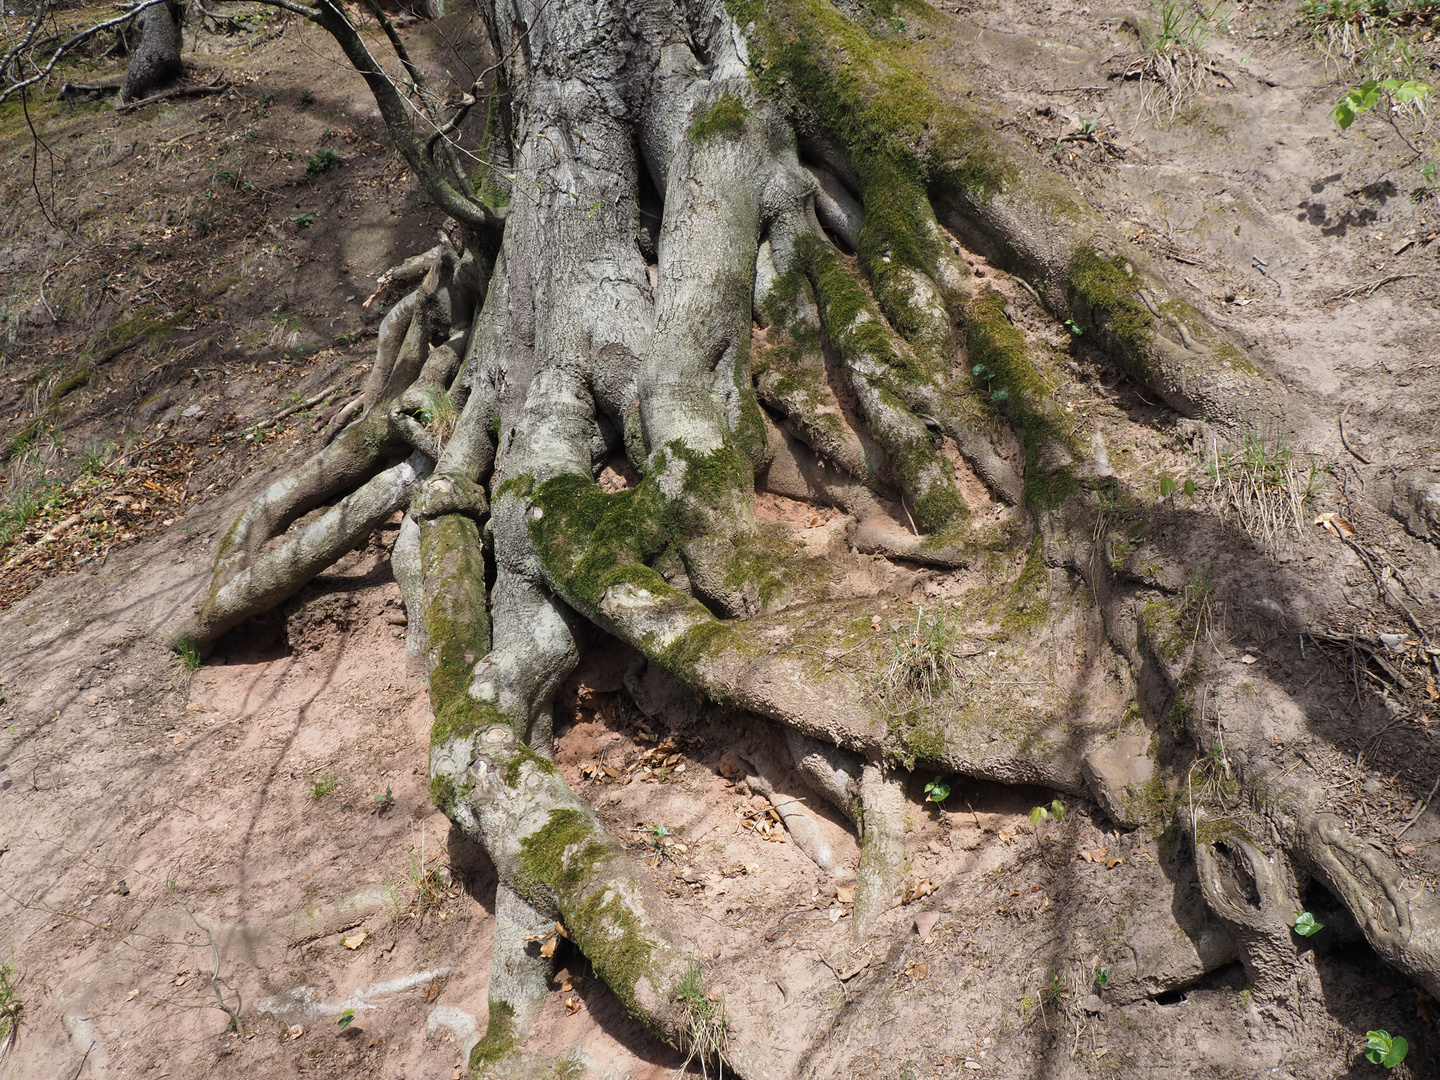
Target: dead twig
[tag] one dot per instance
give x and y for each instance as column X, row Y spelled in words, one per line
column 1416, row 816
column 266, row 425
column 1369, row 288
column 1346, row 443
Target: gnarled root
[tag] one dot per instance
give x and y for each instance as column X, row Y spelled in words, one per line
column 1252, row 894
column 883, row 860
column 1403, row 929
column 280, row 573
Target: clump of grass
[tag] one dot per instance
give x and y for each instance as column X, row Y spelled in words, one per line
column 923, row 661
column 189, row 653
column 1264, row 486
column 324, row 786
column 1362, row 39
column 439, row 415
column 11, row 1008
column 707, row 1026
column 1171, row 67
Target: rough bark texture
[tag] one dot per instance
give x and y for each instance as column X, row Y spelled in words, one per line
column 156, row 59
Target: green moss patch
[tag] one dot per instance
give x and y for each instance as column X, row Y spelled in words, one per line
column 1108, row 291
column 501, row 1038
column 565, row 858
column 724, row 116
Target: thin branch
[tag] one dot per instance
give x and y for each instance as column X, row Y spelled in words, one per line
column 35, row 169
column 24, row 43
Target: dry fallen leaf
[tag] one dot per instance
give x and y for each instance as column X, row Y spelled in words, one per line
column 845, row 894
column 923, row 887
column 132, row 995
column 1337, row 525
column 296, row 1031
column 355, row 940
column 566, row 986
column 560, row 929
column 547, row 950
column 1113, row 862
column 572, row 1005
column 1094, row 855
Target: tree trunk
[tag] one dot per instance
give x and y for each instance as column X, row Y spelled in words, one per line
column 155, row 61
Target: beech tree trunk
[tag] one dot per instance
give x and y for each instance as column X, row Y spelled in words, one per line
column 720, row 260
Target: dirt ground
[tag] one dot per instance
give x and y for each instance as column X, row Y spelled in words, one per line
column 254, row 838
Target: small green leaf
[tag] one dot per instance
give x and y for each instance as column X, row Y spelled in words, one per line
column 1102, row 978
column 346, row 1018
column 1167, row 487
column 1306, row 925
column 1038, row 814
column 1057, row 809
column 937, row 790
column 1189, row 487
column 1382, row 1049
column 1000, row 395
column 1343, row 114
column 1396, row 1054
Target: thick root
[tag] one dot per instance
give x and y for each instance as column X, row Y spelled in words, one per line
column 284, row 571
column 883, row 860
column 1403, row 929
column 1250, row 894
column 762, row 773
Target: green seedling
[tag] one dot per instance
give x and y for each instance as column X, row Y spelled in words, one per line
column 322, row 161
column 1056, row 810
column 937, row 790
column 1363, row 98
column 1306, row 925
column 1384, row 1049
column 345, row 1019
column 386, row 801
column 11, row 1006
column 303, row 220
column 980, row 371
column 320, row 788
column 1102, row 978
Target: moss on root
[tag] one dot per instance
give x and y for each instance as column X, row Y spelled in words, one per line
column 867, row 344
column 1107, row 291
column 865, row 92
column 501, row 1039
column 563, row 859
column 726, row 115
column 1002, row 362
